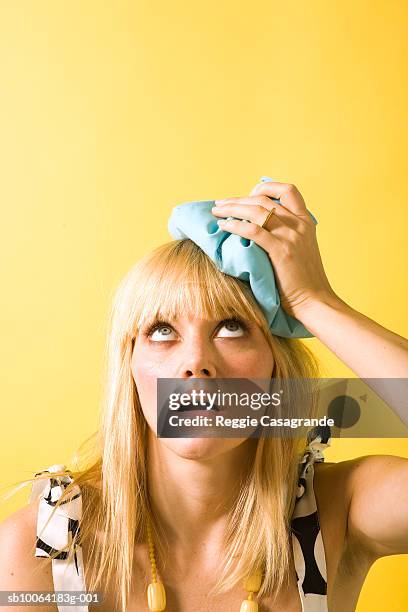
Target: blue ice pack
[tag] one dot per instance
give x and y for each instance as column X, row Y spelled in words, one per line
column 239, row 257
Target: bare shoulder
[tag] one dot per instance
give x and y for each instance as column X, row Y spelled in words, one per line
column 351, row 475
column 20, row 570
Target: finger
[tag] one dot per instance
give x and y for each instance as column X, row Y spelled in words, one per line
column 267, row 203
column 257, row 213
column 251, row 231
column 287, row 193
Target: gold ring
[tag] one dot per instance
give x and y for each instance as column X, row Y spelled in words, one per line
column 268, row 216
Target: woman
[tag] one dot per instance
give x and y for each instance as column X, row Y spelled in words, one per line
column 205, row 516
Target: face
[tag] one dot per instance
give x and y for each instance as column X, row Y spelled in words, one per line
column 197, row 348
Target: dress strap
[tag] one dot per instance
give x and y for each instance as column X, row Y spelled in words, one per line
column 307, row 542
column 56, row 529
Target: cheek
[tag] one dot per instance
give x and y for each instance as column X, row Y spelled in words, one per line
column 149, row 364
column 253, row 363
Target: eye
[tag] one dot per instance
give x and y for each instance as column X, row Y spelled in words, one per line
column 162, row 331
column 234, row 327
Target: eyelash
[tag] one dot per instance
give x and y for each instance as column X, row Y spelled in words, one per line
column 161, row 323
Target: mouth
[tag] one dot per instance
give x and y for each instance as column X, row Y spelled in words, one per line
column 199, row 390
column 199, row 407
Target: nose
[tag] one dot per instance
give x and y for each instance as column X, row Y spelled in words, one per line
column 204, row 372
column 198, row 368
column 197, row 357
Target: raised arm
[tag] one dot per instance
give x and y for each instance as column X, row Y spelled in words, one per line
column 378, row 512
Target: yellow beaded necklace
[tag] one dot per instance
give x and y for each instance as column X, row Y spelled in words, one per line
column 156, row 594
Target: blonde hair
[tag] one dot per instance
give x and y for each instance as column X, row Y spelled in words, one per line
column 175, row 278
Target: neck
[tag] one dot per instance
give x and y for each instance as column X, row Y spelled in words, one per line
column 191, row 498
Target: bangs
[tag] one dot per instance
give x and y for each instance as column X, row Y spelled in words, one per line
column 179, row 279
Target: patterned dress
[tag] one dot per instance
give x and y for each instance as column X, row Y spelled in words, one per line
column 307, row 543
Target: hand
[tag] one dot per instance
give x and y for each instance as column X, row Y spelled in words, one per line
column 289, row 239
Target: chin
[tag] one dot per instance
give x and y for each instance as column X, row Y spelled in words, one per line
column 201, row 448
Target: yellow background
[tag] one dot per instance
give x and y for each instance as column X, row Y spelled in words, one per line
column 113, row 112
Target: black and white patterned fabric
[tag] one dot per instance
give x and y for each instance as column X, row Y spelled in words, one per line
column 308, row 550
column 56, row 534
column 307, row 543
